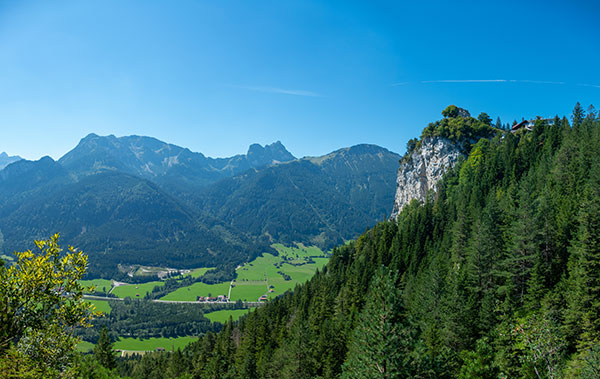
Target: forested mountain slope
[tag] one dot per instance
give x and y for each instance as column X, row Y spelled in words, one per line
column 115, row 218
column 137, row 200
column 498, row 275
column 320, row 200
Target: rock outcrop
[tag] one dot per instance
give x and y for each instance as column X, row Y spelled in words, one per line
column 421, row 170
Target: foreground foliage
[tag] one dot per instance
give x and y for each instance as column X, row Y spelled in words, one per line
column 41, row 303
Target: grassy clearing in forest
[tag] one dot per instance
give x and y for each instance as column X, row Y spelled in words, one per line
column 135, row 290
column 223, row 316
column 150, row 344
column 198, row 272
column 100, row 284
column 84, row 346
column 101, row 305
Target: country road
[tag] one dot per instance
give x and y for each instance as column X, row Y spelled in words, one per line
column 248, row 303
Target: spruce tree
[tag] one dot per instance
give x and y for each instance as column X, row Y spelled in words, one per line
column 578, row 115
column 380, row 342
column 104, row 350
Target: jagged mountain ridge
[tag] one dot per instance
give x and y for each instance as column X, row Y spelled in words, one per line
column 6, row 159
column 162, row 162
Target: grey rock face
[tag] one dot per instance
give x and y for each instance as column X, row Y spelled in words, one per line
column 424, row 168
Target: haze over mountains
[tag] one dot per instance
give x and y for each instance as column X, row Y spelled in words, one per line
column 139, row 200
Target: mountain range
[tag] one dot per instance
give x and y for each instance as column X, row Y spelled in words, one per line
column 6, row 159
column 140, row 200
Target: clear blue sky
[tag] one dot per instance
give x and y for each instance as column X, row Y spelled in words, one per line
column 216, row 76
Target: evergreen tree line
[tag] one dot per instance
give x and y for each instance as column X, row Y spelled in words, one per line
column 140, row 318
column 495, row 275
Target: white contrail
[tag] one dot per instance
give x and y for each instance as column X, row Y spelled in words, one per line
column 537, row 81
column 284, row 91
column 588, row 85
column 464, row 81
column 488, row 81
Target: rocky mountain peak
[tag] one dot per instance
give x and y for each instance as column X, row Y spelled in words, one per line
column 6, row 159
column 273, row 153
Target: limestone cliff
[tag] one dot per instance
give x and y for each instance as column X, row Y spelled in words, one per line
column 422, row 168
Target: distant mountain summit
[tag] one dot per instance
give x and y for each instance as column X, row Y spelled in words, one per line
column 270, row 154
column 162, row 162
column 6, row 159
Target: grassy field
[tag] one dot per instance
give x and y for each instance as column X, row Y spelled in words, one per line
column 223, row 316
column 151, row 344
column 101, row 305
column 258, row 268
column 84, row 346
column 132, row 290
column 190, row 293
column 298, row 251
column 254, row 278
column 198, row 272
column 98, row 283
column 248, row 291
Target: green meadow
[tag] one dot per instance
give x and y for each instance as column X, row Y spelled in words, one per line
column 298, row 251
column 198, row 272
column 84, row 346
column 136, row 290
column 101, row 305
column 190, row 293
column 100, row 284
column 223, row 316
column 255, row 278
column 248, row 291
column 151, row 344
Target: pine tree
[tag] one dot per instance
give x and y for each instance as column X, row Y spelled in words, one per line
column 578, row 115
column 380, row 343
column 104, row 350
column 499, row 123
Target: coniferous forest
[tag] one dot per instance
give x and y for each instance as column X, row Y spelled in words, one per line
column 495, row 275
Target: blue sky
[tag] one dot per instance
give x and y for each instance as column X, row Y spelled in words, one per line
column 216, row 76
